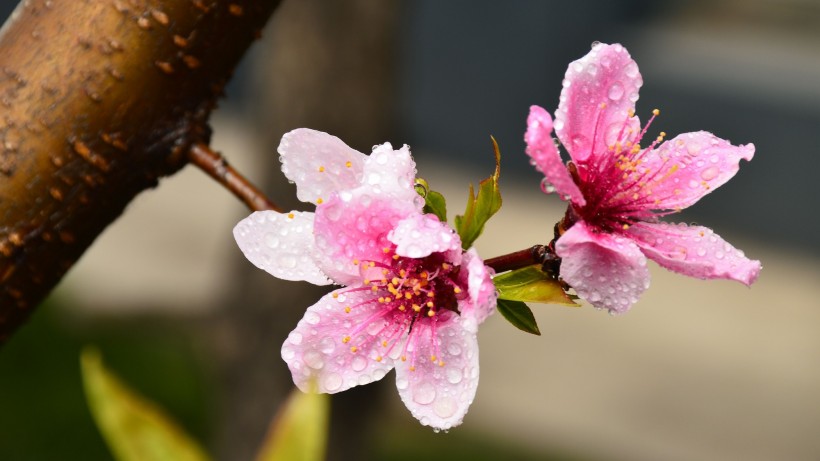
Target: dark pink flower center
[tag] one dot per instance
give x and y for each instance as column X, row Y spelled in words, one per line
column 413, row 296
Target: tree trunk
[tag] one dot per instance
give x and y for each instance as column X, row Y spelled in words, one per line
column 99, row 99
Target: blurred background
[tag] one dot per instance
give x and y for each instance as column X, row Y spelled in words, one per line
column 696, row 371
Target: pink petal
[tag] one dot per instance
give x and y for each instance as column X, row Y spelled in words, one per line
column 694, row 251
column 690, row 166
column 319, row 164
column 482, row 295
column 316, row 352
column 420, row 235
column 355, row 231
column 543, row 152
column 608, row 271
column 281, row 244
column 599, row 93
column 439, row 396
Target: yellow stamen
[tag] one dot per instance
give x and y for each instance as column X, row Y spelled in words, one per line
column 441, row 363
column 379, row 358
column 335, row 295
column 626, row 226
column 430, row 304
column 402, row 307
column 386, row 249
column 354, row 349
column 347, row 309
column 384, row 343
column 290, row 216
column 321, row 169
column 431, row 313
column 346, row 340
column 355, row 262
column 319, row 201
column 395, row 257
column 433, row 358
column 456, row 290
column 348, row 164
column 656, row 112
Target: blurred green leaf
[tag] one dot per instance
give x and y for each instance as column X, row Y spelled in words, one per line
column 134, row 427
column 482, row 207
column 299, row 431
column 519, row 314
column 531, row 284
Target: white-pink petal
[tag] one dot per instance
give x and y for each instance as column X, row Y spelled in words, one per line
column 542, row 150
column 320, row 164
column 599, row 93
column 281, row 244
column 606, row 270
column 695, row 251
column 482, row 295
column 391, row 174
column 317, row 355
column 420, row 235
column 691, row 165
column 440, row 395
column 350, row 233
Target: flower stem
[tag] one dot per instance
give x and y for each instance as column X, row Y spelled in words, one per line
column 217, row 167
column 518, row 259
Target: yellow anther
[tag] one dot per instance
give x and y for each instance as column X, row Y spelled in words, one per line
column 416, row 308
column 636, row 148
column 395, row 281
column 319, row 201
column 355, row 262
column 412, row 368
column 408, row 295
column 430, row 294
column 403, row 358
column 663, row 134
column 387, row 299
column 635, row 196
column 431, row 313
column 347, row 309
column 402, row 307
column 424, row 275
column 656, row 112
column 433, row 358
column 348, row 164
column 381, row 299
column 631, row 113
column 430, row 304
column 354, row 349
column 385, row 271
column 445, row 266
column 367, row 281
column 395, row 257
column 290, row 216
column 321, row 169
column 372, row 264
column 379, row 358
column 659, row 139
column 374, row 288
column 603, row 105
column 335, row 295
column 441, row 363
column 346, row 340
column 456, row 290
column 625, row 226
column 386, row 249
column 403, row 273
column 384, row 343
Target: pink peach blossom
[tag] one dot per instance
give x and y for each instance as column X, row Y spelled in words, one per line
column 412, row 299
column 617, row 189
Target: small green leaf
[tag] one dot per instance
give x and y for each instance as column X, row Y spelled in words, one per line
column 134, row 427
column 299, row 431
column 481, row 207
column 531, row 284
column 519, row 314
column 436, row 204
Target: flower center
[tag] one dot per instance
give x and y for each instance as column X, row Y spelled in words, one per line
column 412, row 297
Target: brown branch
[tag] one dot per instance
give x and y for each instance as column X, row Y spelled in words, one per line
column 212, row 163
column 99, row 99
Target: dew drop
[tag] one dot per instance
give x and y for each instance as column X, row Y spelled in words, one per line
column 559, row 124
column 709, row 173
column 454, row 349
column 547, row 186
column 272, row 241
column 445, row 407
column 454, row 375
column 314, row 360
column 359, row 363
column 288, row 353
column 616, row 91
column 401, row 383
column 312, row 317
column 631, row 70
column 295, row 338
column 327, row 345
column 425, row 393
column 332, row 382
column 693, row 184
column 701, row 252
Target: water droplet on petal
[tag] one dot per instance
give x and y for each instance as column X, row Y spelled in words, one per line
column 295, row 338
column 314, row 360
column 401, row 383
column 709, row 173
column 547, row 186
column 454, row 375
column 445, row 407
column 332, row 382
column 425, row 393
column 616, row 91
column 359, row 363
column 312, row 317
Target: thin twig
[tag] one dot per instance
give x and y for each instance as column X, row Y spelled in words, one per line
column 518, row 259
column 217, row 167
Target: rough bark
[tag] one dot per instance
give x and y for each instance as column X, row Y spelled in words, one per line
column 98, row 100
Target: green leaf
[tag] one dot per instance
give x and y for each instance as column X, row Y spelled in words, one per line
column 481, row 207
column 299, row 432
column 435, row 204
column 519, row 314
column 531, row 284
column 134, row 427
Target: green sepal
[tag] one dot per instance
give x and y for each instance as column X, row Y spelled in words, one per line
column 134, row 427
column 300, row 430
column 519, row 314
column 531, row 284
column 481, row 207
column 434, row 202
